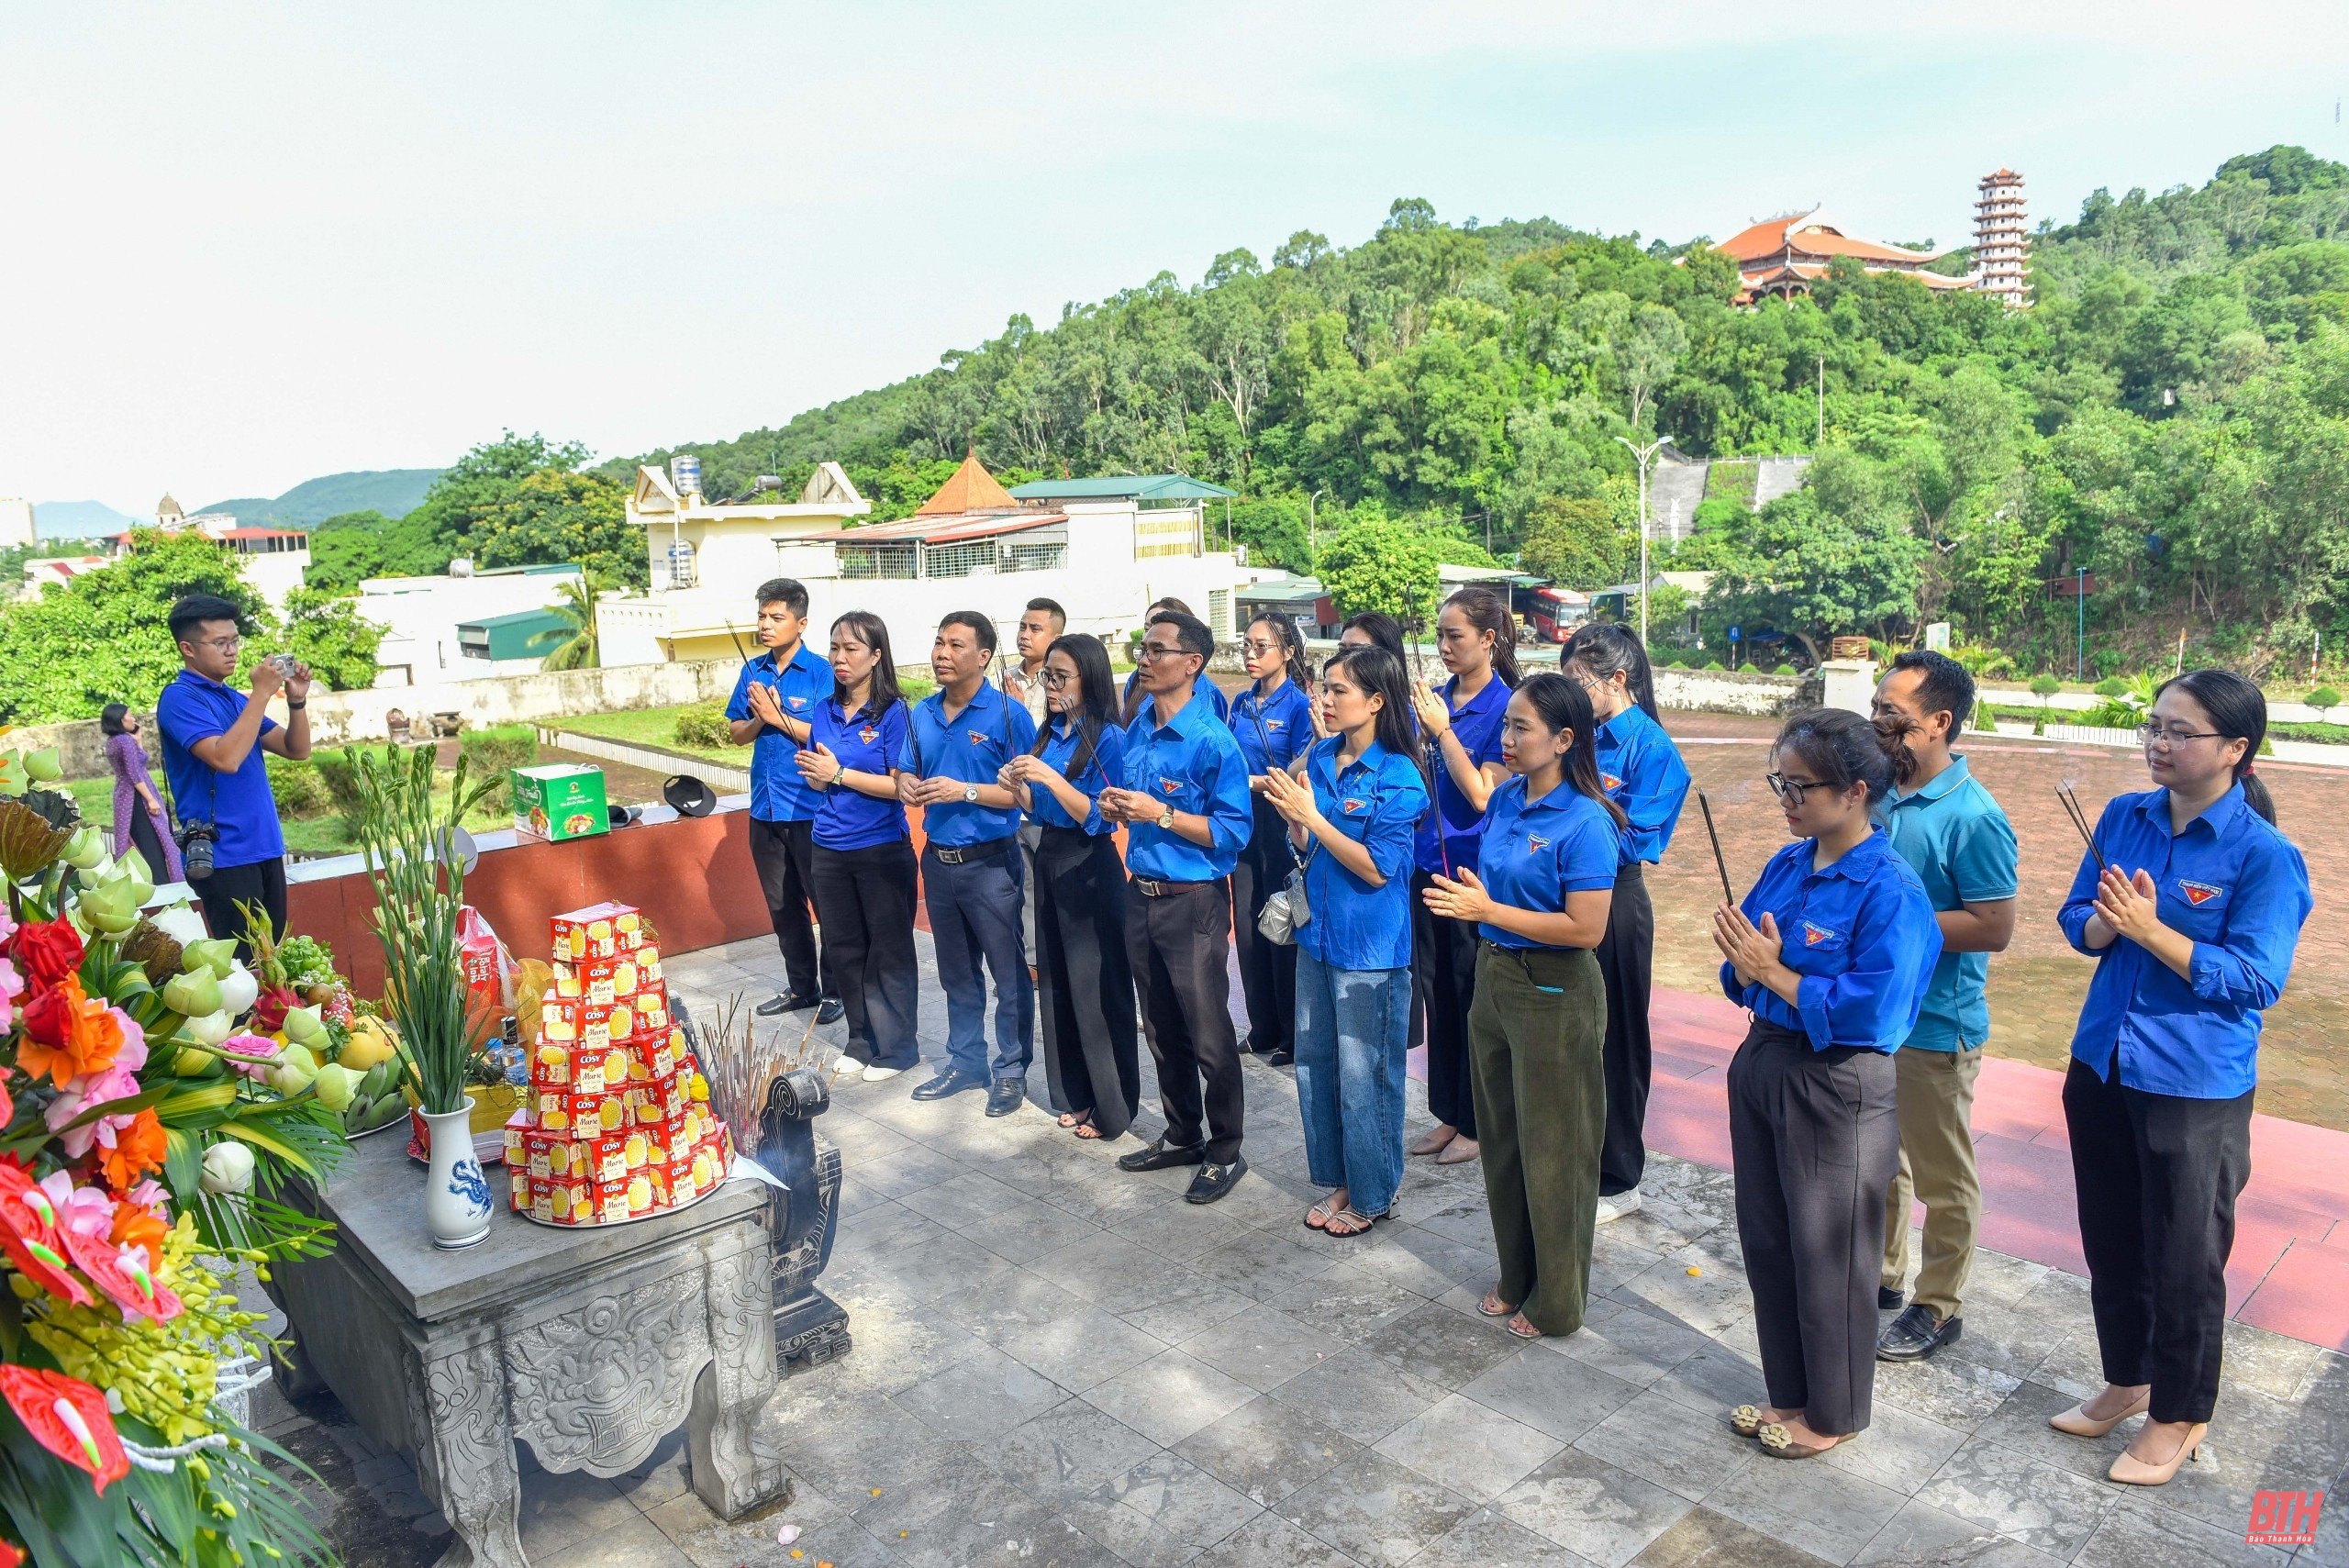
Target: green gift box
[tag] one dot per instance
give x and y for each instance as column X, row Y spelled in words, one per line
column 560, row 801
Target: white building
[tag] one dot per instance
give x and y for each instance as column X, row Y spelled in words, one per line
column 2002, row 239
column 1104, row 548
column 15, row 522
column 275, row 561
column 430, row 621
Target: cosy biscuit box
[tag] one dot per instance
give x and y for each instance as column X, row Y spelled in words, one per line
column 603, row 979
column 600, row 931
column 583, row 1114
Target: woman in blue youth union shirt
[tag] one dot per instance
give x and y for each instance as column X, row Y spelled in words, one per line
column 2192, row 921
column 1085, row 984
column 1832, row 951
column 1273, row 721
column 1641, row 772
column 1354, row 816
column 1538, row 897
column 861, row 863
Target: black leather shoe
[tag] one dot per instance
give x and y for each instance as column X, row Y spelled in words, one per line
column 785, row 1002
column 1284, row 1057
column 1214, row 1180
column 830, row 1012
column 1888, row 1299
column 948, row 1083
column 1915, row 1334
column 1161, row 1155
column 1004, row 1094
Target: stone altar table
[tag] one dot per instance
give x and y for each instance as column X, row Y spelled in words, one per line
column 589, row 1344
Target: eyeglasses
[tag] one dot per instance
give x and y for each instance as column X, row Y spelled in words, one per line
column 1056, row 679
column 2166, row 738
column 1791, row 791
column 1159, row 651
column 225, row 644
column 1260, row 650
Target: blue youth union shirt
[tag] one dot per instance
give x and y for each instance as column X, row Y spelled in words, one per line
column 777, row 791
column 847, row 819
column 1376, row 801
column 973, row 748
column 195, row 707
column 1960, row 846
column 1532, row 855
column 1063, row 741
column 1478, row 722
column 1862, row 936
column 1641, row 772
column 1283, row 722
column 1192, row 765
column 2235, row 885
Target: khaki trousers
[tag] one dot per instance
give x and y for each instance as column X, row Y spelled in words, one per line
column 1936, row 1109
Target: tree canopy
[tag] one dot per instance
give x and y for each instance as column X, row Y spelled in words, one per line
column 2171, row 417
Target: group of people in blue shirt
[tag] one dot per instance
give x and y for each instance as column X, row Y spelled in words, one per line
column 1463, row 863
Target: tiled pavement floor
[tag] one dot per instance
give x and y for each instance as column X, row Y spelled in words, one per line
column 1059, row 1364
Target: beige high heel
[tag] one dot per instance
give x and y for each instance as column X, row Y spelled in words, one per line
column 2081, row 1424
column 2133, row 1471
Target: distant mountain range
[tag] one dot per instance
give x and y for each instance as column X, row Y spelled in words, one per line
column 393, row 492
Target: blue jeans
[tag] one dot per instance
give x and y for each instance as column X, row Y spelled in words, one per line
column 1352, row 1028
column 974, row 920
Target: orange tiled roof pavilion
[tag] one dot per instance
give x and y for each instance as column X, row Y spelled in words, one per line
column 1784, row 255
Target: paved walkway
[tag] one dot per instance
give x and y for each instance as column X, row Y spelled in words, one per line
column 1059, row 1366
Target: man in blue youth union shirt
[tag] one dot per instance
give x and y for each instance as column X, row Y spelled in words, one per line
column 961, row 736
column 774, row 701
column 1184, row 799
column 1944, row 824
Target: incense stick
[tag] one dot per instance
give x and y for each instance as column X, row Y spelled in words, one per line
column 1720, row 864
column 2080, row 821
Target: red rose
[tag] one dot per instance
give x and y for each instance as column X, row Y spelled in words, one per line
column 47, row 951
column 49, row 1017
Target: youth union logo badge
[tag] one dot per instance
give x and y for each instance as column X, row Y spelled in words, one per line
column 1814, row 935
column 1351, row 807
column 1535, row 843
column 868, row 734
column 796, row 702
column 1171, row 786
column 977, row 738
column 2199, row 892
column 1611, row 781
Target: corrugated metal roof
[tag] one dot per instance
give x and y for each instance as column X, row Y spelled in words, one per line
column 1124, row 487
column 520, row 634
column 950, row 530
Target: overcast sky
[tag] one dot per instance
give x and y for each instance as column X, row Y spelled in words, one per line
column 243, row 246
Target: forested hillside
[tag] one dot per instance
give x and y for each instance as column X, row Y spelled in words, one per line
column 2172, row 416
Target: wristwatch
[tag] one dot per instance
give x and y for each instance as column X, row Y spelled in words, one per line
column 1166, row 820
column 970, row 794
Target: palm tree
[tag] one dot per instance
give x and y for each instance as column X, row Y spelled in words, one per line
column 572, row 645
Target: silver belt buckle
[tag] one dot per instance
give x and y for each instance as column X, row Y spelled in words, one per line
column 1150, row 887
column 950, row 857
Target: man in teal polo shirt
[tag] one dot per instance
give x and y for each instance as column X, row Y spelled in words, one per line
column 1946, row 826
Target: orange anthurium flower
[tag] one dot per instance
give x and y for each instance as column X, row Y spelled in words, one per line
column 138, row 1147
column 136, row 1225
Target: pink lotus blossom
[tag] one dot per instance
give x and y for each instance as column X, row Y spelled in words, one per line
column 12, row 985
column 151, row 1194
column 133, row 1053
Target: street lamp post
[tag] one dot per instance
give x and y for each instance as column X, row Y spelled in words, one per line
column 1646, row 455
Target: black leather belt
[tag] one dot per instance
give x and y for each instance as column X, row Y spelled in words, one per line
column 966, row 854
column 1152, row 887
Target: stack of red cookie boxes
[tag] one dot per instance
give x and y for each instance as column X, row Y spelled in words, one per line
column 618, row 1124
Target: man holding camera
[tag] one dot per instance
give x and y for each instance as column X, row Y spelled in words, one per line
column 213, row 739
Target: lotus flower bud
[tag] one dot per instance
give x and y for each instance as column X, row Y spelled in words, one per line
column 85, row 849
column 210, row 1028
column 213, row 953
column 191, row 994
column 112, row 909
column 42, row 766
column 335, row 1086
column 288, row 1079
column 182, row 924
column 227, row 1168
column 238, row 990
column 303, row 1026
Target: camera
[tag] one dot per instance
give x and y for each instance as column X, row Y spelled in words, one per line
column 282, row 663
column 196, row 841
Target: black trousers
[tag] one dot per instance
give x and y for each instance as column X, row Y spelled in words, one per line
column 785, row 855
column 146, row 839
column 262, row 882
column 1626, row 962
column 1267, row 968
column 2157, row 1177
column 1444, row 987
column 1084, row 982
column 865, row 899
column 1813, row 1138
column 1176, row 944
